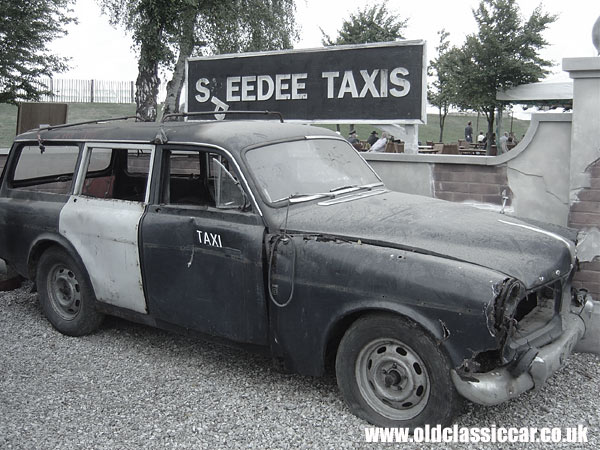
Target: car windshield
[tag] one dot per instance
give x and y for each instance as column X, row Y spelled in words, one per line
column 308, row 169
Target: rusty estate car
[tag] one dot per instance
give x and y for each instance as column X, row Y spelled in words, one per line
column 282, row 238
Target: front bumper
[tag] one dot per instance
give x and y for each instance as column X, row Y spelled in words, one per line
column 581, row 332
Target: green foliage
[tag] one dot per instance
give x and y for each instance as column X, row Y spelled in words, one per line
column 166, row 32
column 503, row 54
column 220, row 25
column 26, row 28
column 371, row 24
column 249, row 26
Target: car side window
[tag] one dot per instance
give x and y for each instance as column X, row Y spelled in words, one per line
column 202, row 179
column 117, row 173
column 47, row 169
column 228, row 193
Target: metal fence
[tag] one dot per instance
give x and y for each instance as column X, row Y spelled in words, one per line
column 88, row 91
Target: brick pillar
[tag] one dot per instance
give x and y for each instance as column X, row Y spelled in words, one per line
column 585, row 166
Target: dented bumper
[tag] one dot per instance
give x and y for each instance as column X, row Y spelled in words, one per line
column 581, row 332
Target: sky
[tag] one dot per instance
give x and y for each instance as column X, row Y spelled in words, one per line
column 100, row 51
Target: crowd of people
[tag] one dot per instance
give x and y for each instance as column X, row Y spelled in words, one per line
column 374, row 143
column 506, row 141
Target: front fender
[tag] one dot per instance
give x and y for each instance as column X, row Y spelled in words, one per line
column 337, row 281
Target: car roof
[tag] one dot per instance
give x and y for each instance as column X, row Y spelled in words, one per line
column 234, row 135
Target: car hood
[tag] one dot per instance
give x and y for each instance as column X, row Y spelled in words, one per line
column 451, row 230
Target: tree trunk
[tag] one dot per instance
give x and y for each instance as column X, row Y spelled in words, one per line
column 490, row 132
column 442, row 116
column 146, row 87
column 186, row 47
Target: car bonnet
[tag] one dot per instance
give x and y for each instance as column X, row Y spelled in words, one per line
column 499, row 242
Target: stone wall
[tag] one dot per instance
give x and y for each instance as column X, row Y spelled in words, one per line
column 534, row 174
column 464, row 182
column 585, row 215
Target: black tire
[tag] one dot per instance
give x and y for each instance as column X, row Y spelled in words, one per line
column 392, row 374
column 66, row 298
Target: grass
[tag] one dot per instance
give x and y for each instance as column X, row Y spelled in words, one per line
column 80, row 112
column 454, row 128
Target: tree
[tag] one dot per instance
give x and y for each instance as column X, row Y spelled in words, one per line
column 503, row 54
column 371, row 24
column 151, row 22
column 231, row 27
column 442, row 92
column 166, row 32
column 26, row 29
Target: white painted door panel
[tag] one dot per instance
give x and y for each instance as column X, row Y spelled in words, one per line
column 105, row 234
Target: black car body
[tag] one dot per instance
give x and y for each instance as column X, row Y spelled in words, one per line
column 281, row 237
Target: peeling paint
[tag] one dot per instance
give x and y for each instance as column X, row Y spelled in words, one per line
column 445, row 331
column 583, row 180
column 588, row 245
column 189, row 264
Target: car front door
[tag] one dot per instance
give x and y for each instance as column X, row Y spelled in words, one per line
column 202, row 248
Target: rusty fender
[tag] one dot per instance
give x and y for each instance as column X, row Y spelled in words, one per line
column 335, row 280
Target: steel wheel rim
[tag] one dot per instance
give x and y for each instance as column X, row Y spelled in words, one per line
column 64, row 291
column 393, row 379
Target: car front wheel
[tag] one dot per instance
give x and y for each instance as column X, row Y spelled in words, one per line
column 66, row 298
column 392, row 374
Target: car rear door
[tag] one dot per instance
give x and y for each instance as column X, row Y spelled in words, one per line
column 102, row 217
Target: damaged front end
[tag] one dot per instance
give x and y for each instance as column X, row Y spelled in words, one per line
column 536, row 330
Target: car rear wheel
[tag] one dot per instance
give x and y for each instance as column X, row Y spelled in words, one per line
column 393, row 374
column 65, row 296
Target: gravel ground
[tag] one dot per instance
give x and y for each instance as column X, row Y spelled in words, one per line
column 129, row 386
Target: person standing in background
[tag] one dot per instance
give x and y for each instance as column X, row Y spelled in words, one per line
column 503, row 143
column 373, row 137
column 469, row 133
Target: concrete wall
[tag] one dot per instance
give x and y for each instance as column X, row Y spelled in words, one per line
column 534, row 174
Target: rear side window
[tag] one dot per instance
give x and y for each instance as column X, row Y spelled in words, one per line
column 46, row 170
column 117, row 173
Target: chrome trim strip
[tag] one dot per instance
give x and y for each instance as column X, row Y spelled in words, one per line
column 569, row 245
column 325, row 136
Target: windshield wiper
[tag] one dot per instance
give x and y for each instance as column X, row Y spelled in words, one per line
column 354, row 187
column 296, row 198
column 333, row 193
column 348, row 186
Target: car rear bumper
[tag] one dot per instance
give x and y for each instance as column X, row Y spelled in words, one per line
column 581, row 332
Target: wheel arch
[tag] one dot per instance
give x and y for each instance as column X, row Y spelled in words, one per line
column 46, row 241
column 342, row 323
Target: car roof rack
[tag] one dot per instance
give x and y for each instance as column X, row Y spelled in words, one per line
column 209, row 113
column 87, row 122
